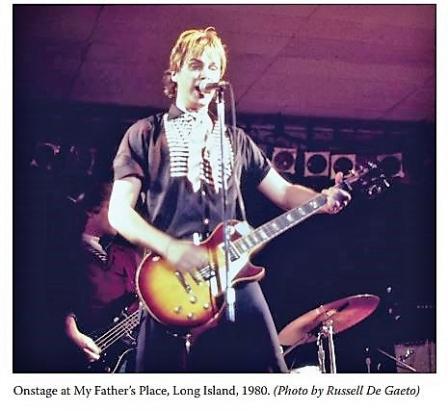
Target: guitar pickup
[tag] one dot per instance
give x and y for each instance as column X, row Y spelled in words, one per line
column 197, row 277
column 204, row 274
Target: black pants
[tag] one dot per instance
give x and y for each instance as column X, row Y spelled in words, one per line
column 250, row 344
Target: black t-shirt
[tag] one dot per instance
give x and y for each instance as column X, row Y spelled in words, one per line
column 171, row 203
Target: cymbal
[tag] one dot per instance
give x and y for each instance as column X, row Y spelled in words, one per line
column 343, row 314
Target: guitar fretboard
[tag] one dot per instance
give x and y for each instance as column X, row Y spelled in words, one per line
column 278, row 225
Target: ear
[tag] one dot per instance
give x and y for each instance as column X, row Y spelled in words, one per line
column 174, row 76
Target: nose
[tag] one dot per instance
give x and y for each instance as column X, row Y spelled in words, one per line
column 208, row 73
column 204, row 74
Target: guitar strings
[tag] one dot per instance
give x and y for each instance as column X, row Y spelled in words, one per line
column 116, row 332
column 120, row 335
column 113, row 336
column 269, row 228
column 112, row 332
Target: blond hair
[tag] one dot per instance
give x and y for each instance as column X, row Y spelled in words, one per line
column 192, row 43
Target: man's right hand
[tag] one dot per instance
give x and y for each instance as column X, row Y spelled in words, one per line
column 82, row 341
column 186, row 256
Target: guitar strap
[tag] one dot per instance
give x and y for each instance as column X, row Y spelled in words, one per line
column 95, row 249
column 155, row 137
column 206, row 211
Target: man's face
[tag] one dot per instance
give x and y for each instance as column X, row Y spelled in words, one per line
column 195, row 69
column 98, row 221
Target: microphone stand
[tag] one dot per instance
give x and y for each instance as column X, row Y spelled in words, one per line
column 229, row 290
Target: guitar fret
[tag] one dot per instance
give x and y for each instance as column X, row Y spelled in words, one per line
column 246, row 244
column 251, row 240
column 278, row 225
column 284, row 223
column 257, row 236
column 292, row 217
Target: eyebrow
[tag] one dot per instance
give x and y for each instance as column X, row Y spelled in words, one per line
column 197, row 60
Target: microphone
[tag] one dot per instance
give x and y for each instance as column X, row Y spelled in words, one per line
column 205, row 86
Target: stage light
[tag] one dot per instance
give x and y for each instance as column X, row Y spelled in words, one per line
column 284, row 159
column 391, row 164
column 342, row 162
column 316, row 163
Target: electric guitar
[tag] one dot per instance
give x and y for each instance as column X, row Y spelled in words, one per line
column 190, row 300
column 117, row 340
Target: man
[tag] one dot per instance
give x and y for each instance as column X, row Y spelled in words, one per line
column 174, row 160
column 103, row 288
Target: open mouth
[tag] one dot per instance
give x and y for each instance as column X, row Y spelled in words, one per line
column 199, row 93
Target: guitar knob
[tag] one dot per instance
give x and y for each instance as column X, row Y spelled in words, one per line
column 190, row 316
column 206, row 306
column 193, row 299
column 177, row 309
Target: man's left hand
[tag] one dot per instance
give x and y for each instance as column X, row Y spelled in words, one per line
column 337, row 198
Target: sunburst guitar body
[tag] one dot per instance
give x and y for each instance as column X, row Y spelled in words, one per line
column 189, row 300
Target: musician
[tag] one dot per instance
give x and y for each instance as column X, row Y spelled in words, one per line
column 173, row 159
column 106, row 280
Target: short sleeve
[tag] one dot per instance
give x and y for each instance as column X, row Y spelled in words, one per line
column 132, row 154
column 255, row 164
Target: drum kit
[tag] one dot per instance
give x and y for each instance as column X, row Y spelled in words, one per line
column 322, row 323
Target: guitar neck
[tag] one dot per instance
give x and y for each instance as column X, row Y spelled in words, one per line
column 118, row 331
column 278, row 225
